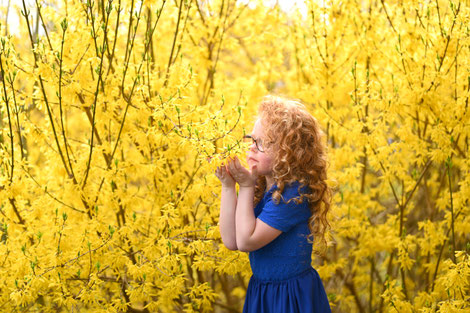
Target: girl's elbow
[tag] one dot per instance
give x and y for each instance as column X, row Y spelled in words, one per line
column 231, row 246
column 244, row 247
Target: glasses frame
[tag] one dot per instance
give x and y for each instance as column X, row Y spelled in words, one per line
column 262, row 150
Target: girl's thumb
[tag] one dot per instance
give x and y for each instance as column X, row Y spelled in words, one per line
column 254, row 171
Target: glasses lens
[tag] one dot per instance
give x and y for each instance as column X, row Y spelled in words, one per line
column 250, row 140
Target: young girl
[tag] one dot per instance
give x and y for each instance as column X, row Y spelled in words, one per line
column 282, row 203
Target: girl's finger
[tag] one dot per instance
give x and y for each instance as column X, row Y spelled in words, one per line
column 238, row 163
column 234, row 170
column 235, row 164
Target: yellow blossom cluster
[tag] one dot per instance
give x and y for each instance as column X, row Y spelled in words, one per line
column 115, row 113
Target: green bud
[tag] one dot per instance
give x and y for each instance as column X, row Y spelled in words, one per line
column 64, row 24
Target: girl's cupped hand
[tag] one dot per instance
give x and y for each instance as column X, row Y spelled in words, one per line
column 224, row 176
column 240, row 174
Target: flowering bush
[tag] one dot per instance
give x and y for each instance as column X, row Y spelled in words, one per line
column 115, row 113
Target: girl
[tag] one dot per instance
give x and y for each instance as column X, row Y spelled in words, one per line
column 282, row 203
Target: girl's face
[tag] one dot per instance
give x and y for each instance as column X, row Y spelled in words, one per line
column 262, row 160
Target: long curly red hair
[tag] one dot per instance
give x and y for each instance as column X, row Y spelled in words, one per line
column 295, row 139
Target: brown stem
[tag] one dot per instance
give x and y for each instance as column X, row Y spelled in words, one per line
column 100, row 74
column 440, row 253
column 51, row 118
column 371, row 285
column 15, row 209
column 7, row 102
column 128, row 53
column 350, row 285
column 64, row 29
column 38, row 7
column 449, row 166
column 6, row 18
column 18, row 126
column 116, row 29
column 26, row 16
column 388, row 17
column 173, row 45
column 211, row 71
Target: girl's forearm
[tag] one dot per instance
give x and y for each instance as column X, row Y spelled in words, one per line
column 245, row 217
column 228, row 204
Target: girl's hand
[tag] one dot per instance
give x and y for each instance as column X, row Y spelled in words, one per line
column 241, row 175
column 224, row 176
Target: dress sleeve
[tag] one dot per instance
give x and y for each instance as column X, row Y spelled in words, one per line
column 283, row 216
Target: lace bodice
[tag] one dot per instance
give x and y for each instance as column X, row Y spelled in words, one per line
column 290, row 253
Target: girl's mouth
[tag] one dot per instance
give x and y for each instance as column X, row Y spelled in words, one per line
column 252, row 160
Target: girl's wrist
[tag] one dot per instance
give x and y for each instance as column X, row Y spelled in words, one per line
column 228, row 186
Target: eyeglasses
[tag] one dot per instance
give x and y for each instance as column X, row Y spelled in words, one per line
column 258, row 142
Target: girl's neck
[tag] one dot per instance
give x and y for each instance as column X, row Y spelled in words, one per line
column 269, row 182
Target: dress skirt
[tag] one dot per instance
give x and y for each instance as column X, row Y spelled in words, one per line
column 303, row 293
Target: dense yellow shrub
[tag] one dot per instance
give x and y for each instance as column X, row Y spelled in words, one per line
column 123, row 216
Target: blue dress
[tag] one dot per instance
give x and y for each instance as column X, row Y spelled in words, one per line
column 283, row 279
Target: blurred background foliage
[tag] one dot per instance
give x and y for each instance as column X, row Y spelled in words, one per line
column 115, row 113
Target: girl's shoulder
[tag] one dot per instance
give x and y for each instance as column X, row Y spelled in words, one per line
column 288, row 210
column 292, row 190
column 296, row 187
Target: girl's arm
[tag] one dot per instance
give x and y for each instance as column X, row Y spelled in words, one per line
column 228, row 204
column 251, row 232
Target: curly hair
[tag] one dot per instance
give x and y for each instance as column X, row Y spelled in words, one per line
column 295, row 139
